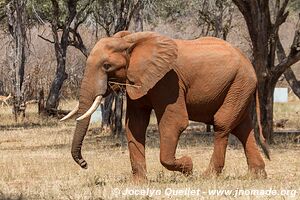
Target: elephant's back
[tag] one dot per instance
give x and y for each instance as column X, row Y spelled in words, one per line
column 206, row 53
column 207, row 65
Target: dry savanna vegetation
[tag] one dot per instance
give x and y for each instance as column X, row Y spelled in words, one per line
column 36, row 162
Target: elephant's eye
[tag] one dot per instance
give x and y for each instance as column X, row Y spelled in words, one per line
column 106, row 66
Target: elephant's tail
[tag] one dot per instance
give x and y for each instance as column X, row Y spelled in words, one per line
column 262, row 140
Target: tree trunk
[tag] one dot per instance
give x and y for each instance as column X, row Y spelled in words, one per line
column 266, row 91
column 112, row 113
column 106, row 110
column 118, row 114
column 41, row 103
column 208, row 128
column 60, row 77
column 17, row 19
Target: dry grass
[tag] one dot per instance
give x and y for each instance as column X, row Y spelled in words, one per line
column 36, row 164
column 289, row 111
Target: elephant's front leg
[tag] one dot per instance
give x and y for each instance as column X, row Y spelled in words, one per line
column 137, row 120
column 173, row 119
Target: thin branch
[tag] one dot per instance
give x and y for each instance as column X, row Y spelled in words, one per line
column 37, row 15
column 55, row 12
column 281, row 15
column 135, row 7
column 286, row 63
column 77, row 42
column 274, row 37
column 243, row 7
column 288, row 74
column 296, row 42
column 2, row 17
column 293, row 57
column 292, row 81
column 85, row 7
column 52, row 42
column 82, row 20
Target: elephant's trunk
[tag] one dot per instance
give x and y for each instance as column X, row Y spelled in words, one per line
column 80, row 132
column 93, row 84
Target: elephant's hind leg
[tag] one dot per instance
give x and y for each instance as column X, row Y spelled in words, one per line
column 137, row 120
column 244, row 132
column 227, row 118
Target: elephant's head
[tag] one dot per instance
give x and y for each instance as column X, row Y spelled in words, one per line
column 138, row 59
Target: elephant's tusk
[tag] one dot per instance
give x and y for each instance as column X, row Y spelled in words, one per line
column 92, row 108
column 70, row 114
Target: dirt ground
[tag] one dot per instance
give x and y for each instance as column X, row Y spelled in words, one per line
column 36, row 164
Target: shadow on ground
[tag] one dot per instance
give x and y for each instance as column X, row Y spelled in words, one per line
column 193, row 136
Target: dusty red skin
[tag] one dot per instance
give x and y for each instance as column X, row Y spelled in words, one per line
column 205, row 80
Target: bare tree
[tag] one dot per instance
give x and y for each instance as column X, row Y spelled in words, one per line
column 215, row 17
column 114, row 16
column 17, row 26
column 64, row 26
column 265, row 39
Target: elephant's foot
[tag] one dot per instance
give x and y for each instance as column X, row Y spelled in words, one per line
column 139, row 173
column 212, row 171
column 139, row 179
column 257, row 173
column 186, row 165
column 183, row 165
column 256, row 166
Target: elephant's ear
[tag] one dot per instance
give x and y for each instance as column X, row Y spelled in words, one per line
column 152, row 56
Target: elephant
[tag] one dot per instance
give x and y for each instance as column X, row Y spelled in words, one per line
column 204, row 80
